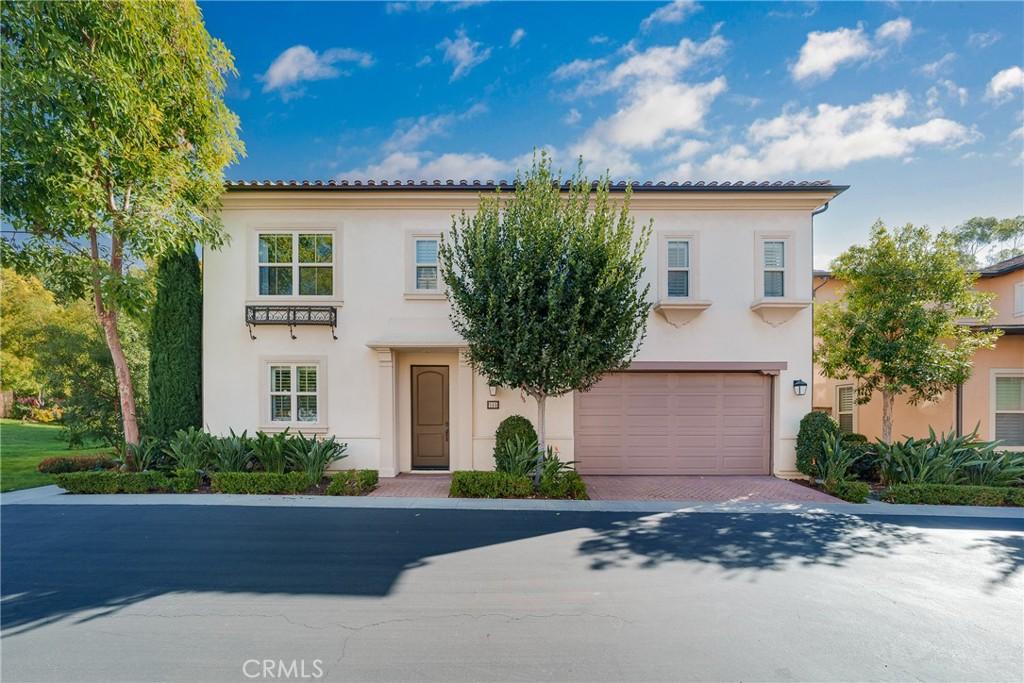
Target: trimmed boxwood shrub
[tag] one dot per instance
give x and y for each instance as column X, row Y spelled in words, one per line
column 850, row 491
column 113, row 482
column 352, row 483
column 473, row 484
column 511, row 427
column 953, row 494
column 186, row 481
column 814, row 427
column 75, row 463
column 566, row 484
column 259, row 482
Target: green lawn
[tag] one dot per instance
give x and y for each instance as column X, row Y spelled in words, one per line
column 23, row 445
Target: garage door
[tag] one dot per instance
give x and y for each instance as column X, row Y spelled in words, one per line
column 674, row 423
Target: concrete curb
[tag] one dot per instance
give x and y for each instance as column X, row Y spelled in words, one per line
column 53, row 495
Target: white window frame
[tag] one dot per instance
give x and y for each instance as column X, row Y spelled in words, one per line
column 269, row 425
column 763, row 268
column 995, row 373
column 853, row 409
column 295, row 230
column 410, row 267
column 693, row 282
column 1018, row 300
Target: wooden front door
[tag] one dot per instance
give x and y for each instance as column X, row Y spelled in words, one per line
column 430, row 417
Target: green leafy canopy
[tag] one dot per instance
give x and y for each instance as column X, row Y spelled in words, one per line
column 545, row 284
column 901, row 324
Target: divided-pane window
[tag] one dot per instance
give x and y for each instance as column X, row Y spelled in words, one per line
column 845, row 406
column 294, row 393
column 1009, row 410
column 678, row 268
column 774, row 268
column 296, row 263
column 426, row 264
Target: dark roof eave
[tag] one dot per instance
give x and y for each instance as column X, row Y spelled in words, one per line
column 478, row 186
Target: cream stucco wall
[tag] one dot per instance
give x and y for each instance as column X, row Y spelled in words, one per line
column 939, row 414
column 381, row 331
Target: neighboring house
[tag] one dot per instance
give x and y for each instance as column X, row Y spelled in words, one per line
column 992, row 399
column 370, row 355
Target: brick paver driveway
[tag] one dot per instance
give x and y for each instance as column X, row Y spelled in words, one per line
column 713, row 489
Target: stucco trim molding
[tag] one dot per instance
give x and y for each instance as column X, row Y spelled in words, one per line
column 765, row 367
column 775, row 312
column 678, row 312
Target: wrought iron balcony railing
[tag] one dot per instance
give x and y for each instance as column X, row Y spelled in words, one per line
column 292, row 316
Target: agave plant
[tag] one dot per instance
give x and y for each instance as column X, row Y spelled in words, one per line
column 271, row 451
column 146, row 455
column 314, row 456
column 518, row 456
column 836, row 459
column 232, row 453
column 189, row 449
column 946, row 458
column 985, row 466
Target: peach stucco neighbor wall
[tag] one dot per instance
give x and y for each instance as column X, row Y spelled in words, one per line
column 940, row 414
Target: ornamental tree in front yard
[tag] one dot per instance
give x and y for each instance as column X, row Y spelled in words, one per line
column 545, row 285
column 115, row 139
column 907, row 321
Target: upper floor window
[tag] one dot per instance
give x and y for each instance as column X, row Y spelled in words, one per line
column 1018, row 299
column 426, row 276
column 774, row 265
column 296, row 263
column 677, row 268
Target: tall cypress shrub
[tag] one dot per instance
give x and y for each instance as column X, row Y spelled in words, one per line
column 176, row 346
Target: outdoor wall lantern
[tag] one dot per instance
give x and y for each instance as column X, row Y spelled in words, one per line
column 492, row 389
column 799, row 387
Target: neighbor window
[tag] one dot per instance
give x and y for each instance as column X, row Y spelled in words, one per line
column 294, row 393
column 677, row 268
column 426, row 264
column 296, row 263
column 845, row 408
column 1009, row 410
column 774, row 255
column 1018, row 299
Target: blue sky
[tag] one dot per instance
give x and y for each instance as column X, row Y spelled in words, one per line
column 920, row 107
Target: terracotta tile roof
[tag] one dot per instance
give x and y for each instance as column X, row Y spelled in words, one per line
column 482, row 185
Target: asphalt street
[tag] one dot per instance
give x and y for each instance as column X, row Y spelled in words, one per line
column 183, row 593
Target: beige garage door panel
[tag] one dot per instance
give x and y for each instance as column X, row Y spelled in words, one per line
column 675, row 423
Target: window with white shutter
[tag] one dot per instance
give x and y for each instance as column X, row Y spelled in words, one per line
column 294, row 393
column 846, row 408
column 677, row 271
column 426, row 277
column 774, row 253
column 1018, row 299
column 1008, row 410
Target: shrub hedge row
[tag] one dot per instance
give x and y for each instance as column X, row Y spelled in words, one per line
column 955, row 494
column 259, row 482
column 75, row 463
column 352, row 483
column 474, row 484
column 850, row 491
column 114, row 482
column 566, row 484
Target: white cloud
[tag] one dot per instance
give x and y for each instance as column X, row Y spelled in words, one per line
column 933, row 69
column 984, row 39
column 396, row 7
column 576, row 68
column 897, row 30
column 833, row 137
column 410, row 134
column 656, row 109
column 662, row 62
column 1002, row 85
column 465, row 4
column 599, row 39
column 573, row 117
column 825, row 51
column 673, row 13
column 424, row 61
column 463, row 53
column 421, row 166
column 299, row 63
column 517, row 36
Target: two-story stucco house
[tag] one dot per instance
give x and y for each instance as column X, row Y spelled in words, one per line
column 326, row 314
column 992, row 400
